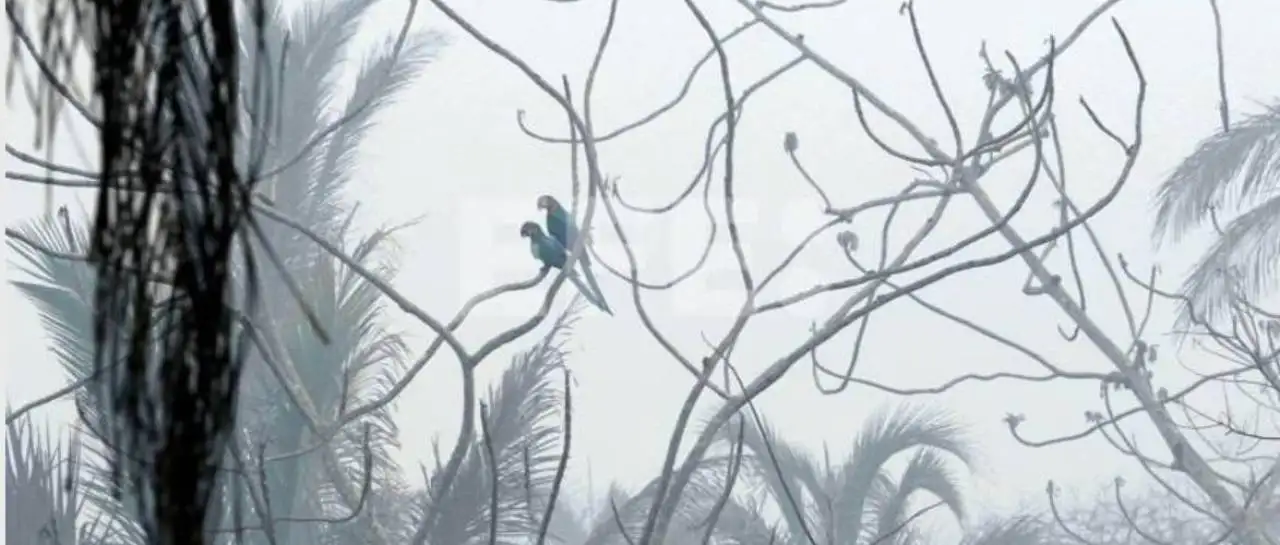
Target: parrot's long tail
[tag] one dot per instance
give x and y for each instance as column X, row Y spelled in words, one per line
column 595, row 287
column 588, row 293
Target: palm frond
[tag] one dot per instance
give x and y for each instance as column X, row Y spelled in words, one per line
column 363, row 357
column 318, row 36
column 687, row 525
column 887, row 434
column 305, row 51
column 743, row 523
column 927, row 472
column 321, row 32
column 569, row 525
column 893, row 430
column 360, row 362
column 524, row 433
column 382, row 76
column 602, row 521
column 880, row 501
column 378, row 355
column 1243, row 262
column 388, row 515
column 60, row 288
column 1227, row 171
column 787, row 471
column 42, row 503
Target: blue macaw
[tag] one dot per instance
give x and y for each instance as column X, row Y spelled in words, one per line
column 565, row 232
column 548, row 251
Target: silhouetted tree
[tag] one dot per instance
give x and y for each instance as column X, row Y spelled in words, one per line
column 321, row 327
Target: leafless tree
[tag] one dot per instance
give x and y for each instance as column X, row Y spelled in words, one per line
column 1222, row 461
column 1129, row 515
column 949, row 174
column 1247, row 346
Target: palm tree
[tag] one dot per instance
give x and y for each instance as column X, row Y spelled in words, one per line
column 1236, row 173
column 858, row 502
column 524, row 432
column 523, row 419
column 362, row 355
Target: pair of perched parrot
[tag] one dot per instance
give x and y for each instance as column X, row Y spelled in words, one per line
column 553, row 251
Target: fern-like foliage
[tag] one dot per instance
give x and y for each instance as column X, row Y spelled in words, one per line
column 524, row 422
column 888, row 434
column 62, row 291
column 1236, row 176
column 691, row 514
column 42, row 499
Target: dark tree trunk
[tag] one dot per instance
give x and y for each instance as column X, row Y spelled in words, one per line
column 167, row 78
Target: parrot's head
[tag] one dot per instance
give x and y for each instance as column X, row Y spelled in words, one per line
column 530, row 229
column 548, row 203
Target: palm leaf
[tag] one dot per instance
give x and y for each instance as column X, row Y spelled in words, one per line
column 1228, row 171
column 687, row 525
column 303, row 53
column 788, row 473
column 381, row 77
column 1236, row 172
column 363, row 357
column 927, row 472
column 881, row 498
column 603, row 524
column 524, row 433
column 61, row 289
column 744, row 523
column 319, row 34
column 42, row 503
column 1242, row 262
column 322, row 32
column 373, row 358
column 887, row 434
column 361, row 362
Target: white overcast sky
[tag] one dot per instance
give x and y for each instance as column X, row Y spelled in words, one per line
column 451, row 149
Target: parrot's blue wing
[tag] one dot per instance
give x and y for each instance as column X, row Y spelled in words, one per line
column 549, row 252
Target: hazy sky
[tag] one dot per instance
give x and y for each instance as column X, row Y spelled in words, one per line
column 451, row 149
